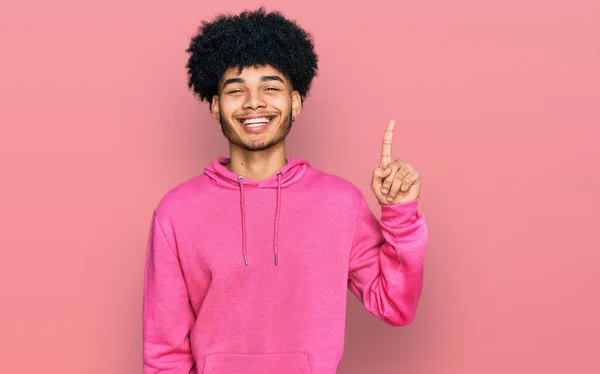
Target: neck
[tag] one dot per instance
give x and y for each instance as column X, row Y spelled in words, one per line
column 258, row 165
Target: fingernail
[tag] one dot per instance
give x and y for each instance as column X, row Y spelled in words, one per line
column 390, row 198
column 384, row 190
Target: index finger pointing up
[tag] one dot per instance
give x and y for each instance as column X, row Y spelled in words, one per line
column 386, row 149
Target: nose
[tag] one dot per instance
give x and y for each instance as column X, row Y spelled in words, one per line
column 254, row 101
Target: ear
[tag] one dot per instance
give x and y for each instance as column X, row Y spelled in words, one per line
column 296, row 103
column 214, row 108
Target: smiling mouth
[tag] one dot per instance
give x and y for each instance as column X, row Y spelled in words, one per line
column 255, row 123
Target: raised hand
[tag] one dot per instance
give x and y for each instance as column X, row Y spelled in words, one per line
column 394, row 181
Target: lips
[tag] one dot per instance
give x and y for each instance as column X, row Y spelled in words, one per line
column 252, row 122
column 256, row 123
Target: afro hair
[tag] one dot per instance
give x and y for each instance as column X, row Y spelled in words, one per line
column 252, row 38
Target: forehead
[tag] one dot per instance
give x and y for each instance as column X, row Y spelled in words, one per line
column 252, row 73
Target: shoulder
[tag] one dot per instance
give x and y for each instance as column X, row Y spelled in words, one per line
column 331, row 184
column 183, row 196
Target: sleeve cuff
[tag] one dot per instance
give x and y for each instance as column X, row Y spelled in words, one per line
column 400, row 214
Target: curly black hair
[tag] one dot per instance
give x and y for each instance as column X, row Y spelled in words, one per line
column 252, row 38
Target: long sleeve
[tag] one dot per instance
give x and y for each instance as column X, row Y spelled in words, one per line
column 168, row 315
column 386, row 261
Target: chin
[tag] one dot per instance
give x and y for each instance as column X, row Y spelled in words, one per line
column 261, row 145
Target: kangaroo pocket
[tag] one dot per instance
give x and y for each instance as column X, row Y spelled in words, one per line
column 267, row 363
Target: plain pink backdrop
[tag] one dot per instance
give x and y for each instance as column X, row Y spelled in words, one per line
column 497, row 104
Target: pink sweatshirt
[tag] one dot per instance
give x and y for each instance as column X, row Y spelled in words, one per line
column 247, row 276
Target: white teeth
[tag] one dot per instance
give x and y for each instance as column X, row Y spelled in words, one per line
column 256, row 121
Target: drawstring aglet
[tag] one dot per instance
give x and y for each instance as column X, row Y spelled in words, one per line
column 245, row 260
column 276, row 259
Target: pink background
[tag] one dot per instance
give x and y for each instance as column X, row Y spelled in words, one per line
column 497, row 105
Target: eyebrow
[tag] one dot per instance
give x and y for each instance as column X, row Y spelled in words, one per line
column 264, row 78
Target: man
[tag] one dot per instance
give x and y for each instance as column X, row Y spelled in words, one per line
column 248, row 265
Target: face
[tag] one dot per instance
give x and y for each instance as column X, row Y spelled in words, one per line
column 255, row 108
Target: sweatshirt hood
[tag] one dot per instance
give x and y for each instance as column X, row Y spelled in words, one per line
column 289, row 174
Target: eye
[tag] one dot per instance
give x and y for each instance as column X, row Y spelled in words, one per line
column 235, row 91
column 272, row 89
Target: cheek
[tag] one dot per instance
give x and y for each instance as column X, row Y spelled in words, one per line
column 228, row 107
column 284, row 104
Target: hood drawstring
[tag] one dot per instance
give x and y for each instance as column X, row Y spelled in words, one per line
column 276, row 234
column 240, row 180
